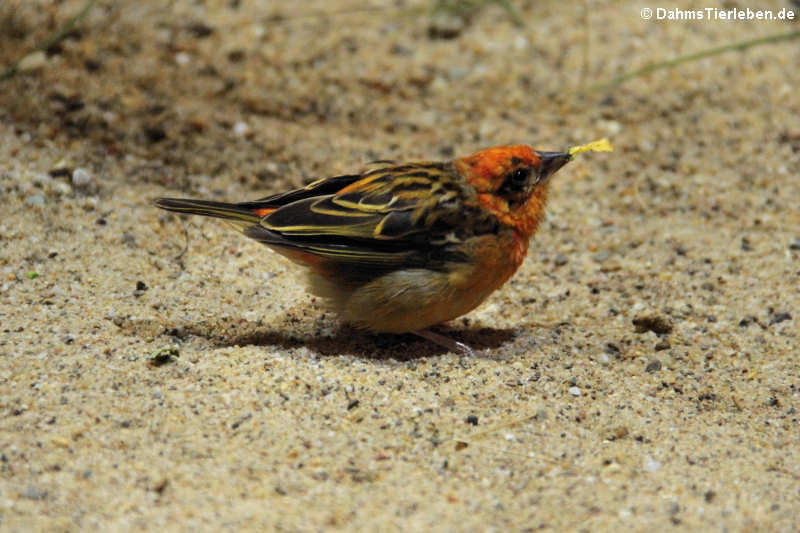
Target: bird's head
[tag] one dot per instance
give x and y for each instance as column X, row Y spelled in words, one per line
column 512, row 181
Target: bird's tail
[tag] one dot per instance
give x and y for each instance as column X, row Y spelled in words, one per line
column 240, row 215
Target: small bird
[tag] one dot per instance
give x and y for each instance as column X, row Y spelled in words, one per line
column 401, row 247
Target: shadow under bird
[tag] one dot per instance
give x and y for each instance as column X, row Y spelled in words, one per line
column 401, row 247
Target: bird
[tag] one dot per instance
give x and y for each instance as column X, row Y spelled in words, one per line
column 404, row 246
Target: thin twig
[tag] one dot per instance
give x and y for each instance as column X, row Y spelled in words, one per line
column 512, row 13
column 586, row 65
column 652, row 67
column 324, row 13
column 53, row 39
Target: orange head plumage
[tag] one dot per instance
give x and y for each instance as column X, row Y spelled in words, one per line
column 512, row 182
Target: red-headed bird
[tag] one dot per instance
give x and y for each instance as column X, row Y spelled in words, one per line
column 404, row 246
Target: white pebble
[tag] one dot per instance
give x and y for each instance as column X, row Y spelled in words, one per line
column 575, row 391
column 651, row 465
column 612, row 127
column 182, row 58
column 81, row 177
column 240, row 129
column 258, row 31
column 35, row 200
column 62, row 188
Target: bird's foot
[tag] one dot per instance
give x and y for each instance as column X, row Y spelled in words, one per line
column 446, row 342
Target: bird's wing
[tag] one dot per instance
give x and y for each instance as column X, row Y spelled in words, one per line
column 391, row 217
column 320, row 187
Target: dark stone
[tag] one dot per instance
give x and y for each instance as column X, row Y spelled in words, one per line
column 657, row 324
column 653, row 366
column 155, row 134
column 779, row 317
column 663, row 344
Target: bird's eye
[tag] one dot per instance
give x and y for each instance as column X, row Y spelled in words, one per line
column 517, row 181
column 520, row 176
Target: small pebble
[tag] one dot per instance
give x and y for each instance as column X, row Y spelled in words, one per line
column 201, row 30
column 560, row 260
column 155, row 133
column 59, row 171
column 575, row 391
column 746, row 321
column 655, row 323
column 240, row 129
column 32, row 492
column 182, row 58
column 616, row 433
column 651, row 465
column 663, row 344
column 62, row 188
column 129, row 239
column 32, row 61
column 612, row 127
column 81, row 177
column 446, row 25
column 608, row 100
column 774, row 402
column 779, row 317
column 795, row 244
column 472, row 419
column 653, row 366
column 163, row 356
column 36, row 200
column 600, row 257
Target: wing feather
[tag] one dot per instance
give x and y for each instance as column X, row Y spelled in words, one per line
column 390, row 217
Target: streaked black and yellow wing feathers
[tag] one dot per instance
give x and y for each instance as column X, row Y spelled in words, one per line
column 387, row 218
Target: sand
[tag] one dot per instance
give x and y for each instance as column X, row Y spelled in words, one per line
column 639, row 373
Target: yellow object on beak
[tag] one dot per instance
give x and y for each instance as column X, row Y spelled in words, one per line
column 603, row 145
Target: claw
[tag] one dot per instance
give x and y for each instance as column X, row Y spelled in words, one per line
column 446, row 342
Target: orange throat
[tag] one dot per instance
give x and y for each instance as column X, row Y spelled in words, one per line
column 525, row 220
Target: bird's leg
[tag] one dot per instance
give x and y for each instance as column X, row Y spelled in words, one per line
column 447, row 342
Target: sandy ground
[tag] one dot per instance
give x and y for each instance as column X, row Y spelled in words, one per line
column 275, row 417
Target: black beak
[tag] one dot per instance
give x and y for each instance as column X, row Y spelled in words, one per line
column 551, row 162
